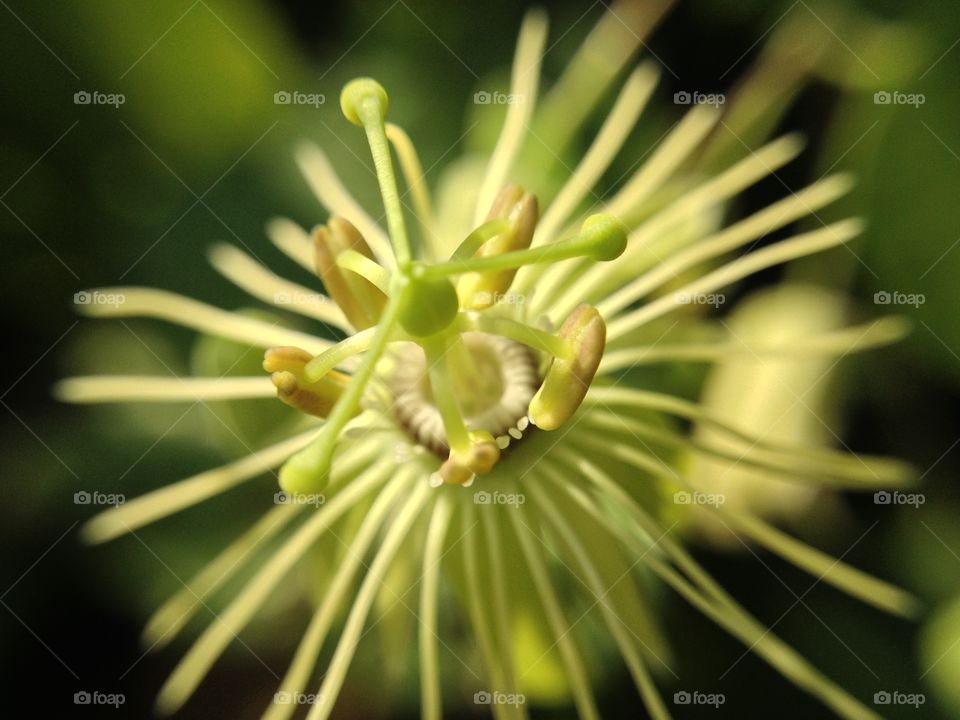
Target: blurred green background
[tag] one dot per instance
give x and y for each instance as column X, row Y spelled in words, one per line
column 199, row 152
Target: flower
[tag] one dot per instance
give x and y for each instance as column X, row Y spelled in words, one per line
column 487, row 350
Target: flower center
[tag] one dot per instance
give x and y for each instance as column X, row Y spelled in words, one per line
column 493, row 381
column 483, row 386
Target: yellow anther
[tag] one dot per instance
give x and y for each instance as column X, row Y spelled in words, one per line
column 361, row 301
column 568, row 379
column 480, row 290
column 479, row 459
column 286, row 367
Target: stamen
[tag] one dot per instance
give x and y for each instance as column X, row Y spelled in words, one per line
column 366, row 268
column 519, row 210
column 364, row 103
column 361, row 301
column 478, row 459
column 317, row 397
column 317, row 367
column 307, row 471
column 568, row 380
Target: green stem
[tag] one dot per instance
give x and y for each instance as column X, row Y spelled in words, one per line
column 366, row 268
column 441, row 384
column 521, row 332
column 307, row 470
column 477, row 238
column 320, row 365
column 371, row 115
column 554, row 252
